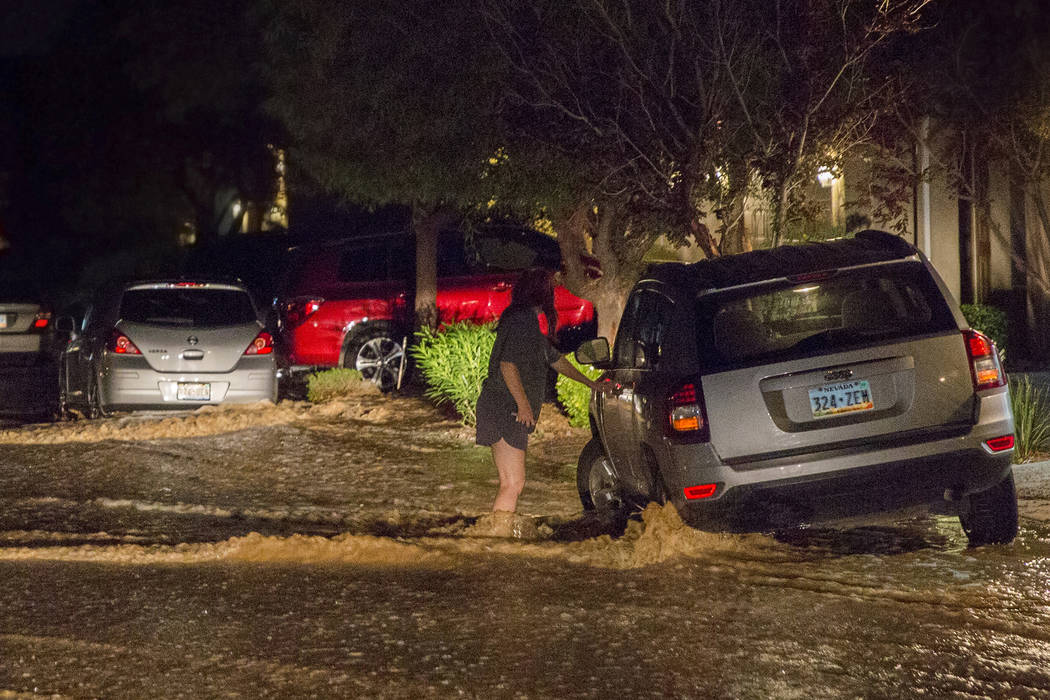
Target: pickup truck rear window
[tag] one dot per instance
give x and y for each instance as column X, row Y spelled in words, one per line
column 848, row 308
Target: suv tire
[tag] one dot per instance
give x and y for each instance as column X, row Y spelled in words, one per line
column 600, row 489
column 990, row 517
column 376, row 354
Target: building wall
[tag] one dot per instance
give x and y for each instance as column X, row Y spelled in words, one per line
column 1037, row 265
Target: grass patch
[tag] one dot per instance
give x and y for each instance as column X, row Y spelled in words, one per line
column 1031, row 419
column 454, row 362
column 575, row 397
column 338, row 383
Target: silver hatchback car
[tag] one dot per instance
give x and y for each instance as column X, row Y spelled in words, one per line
column 798, row 384
column 169, row 344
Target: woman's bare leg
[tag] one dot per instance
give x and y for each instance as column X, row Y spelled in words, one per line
column 510, row 463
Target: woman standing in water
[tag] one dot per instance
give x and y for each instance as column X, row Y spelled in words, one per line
column 513, row 391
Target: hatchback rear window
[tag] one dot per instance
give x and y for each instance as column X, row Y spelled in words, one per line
column 850, row 308
column 198, row 308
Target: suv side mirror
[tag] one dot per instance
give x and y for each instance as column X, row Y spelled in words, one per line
column 593, row 352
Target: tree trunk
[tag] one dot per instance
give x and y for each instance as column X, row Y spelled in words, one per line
column 427, row 223
column 608, row 292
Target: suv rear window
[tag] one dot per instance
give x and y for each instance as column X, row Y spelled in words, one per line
column 853, row 307
column 199, row 308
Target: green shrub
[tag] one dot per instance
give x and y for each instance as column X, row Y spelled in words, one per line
column 337, row 383
column 454, row 361
column 989, row 320
column 1031, row 419
column 575, row 397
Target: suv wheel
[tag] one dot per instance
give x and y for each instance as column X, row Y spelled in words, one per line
column 600, row 488
column 376, row 355
column 990, row 517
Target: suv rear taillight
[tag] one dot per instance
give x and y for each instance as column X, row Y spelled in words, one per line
column 985, row 368
column 686, row 416
column 121, row 344
column 42, row 319
column 262, row 345
column 297, row 310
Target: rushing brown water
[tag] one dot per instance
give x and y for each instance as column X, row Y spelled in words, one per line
column 336, row 557
column 889, row 611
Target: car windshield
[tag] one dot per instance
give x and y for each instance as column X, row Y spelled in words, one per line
column 181, row 307
column 845, row 309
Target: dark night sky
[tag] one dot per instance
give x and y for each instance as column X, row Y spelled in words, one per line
column 29, row 26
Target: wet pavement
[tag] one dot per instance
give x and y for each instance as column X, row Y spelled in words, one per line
column 333, row 554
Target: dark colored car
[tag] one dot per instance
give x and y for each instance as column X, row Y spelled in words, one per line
column 798, row 384
column 349, row 303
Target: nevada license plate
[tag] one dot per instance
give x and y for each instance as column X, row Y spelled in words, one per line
column 844, row 397
column 192, row 391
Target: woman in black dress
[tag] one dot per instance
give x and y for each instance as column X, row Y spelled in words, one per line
column 514, row 389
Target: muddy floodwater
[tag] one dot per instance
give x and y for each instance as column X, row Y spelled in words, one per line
column 336, row 551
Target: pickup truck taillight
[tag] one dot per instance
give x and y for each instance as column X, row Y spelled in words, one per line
column 686, row 416
column 297, row 310
column 985, row 369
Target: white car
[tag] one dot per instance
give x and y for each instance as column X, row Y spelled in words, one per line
column 169, row 344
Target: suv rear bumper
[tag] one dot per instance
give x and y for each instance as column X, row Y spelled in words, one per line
column 844, row 482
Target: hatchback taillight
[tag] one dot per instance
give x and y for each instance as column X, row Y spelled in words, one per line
column 121, row 344
column 985, row 369
column 42, row 319
column 297, row 310
column 262, row 345
column 686, row 416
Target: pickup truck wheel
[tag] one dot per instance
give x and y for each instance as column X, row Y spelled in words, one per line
column 376, row 355
column 600, row 489
column 990, row 517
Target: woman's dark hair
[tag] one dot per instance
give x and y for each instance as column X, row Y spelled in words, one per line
column 535, row 287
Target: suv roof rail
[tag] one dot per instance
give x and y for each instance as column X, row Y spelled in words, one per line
column 867, row 246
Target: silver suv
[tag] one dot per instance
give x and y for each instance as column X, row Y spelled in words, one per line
column 799, row 384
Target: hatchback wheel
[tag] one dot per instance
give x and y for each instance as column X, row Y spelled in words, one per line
column 378, row 357
column 990, row 517
column 95, row 408
column 600, row 488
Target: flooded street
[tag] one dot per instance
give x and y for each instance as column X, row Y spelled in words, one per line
column 333, row 551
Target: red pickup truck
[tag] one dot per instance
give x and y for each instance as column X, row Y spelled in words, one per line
column 349, row 303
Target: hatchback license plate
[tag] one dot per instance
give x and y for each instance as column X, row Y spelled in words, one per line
column 844, row 397
column 3, row 320
column 191, row 391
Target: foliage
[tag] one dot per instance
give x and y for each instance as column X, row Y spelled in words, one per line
column 337, row 383
column 1031, row 410
column 990, row 320
column 575, row 397
column 454, row 361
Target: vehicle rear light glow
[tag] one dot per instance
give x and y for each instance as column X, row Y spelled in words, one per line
column 686, row 415
column 121, row 344
column 296, row 311
column 985, row 369
column 42, row 319
column 694, row 493
column 1000, row 444
column 262, row 345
